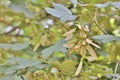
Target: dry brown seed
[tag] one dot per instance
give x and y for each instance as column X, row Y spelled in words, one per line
column 69, row 32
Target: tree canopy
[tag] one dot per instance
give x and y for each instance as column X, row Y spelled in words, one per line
column 59, row 39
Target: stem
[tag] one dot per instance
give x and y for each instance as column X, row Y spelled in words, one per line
column 116, row 67
column 22, row 77
column 96, row 22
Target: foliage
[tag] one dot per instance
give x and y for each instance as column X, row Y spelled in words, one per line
column 61, row 12
column 59, row 39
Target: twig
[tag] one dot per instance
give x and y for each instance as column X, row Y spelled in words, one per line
column 96, row 22
column 11, row 30
column 116, row 67
column 22, row 77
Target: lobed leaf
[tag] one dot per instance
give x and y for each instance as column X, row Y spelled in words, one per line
column 19, row 6
column 61, row 12
column 56, row 47
column 106, row 38
column 23, row 62
column 114, row 4
column 8, row 77
column 16, row 46
column 103, row 5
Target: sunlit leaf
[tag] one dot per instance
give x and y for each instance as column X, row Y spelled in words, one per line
column 66, row 66
column 103, row 69
column 59, row 54
column 60, row 11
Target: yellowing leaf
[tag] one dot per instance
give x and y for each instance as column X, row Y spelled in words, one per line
column 36, row 46
column 99, row 75
column 68, row 65
column 56, row 64
column 118, row 57
column 91, row 51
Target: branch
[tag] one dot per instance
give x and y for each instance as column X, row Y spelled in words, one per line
column 14, row 28
column 14, row 35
